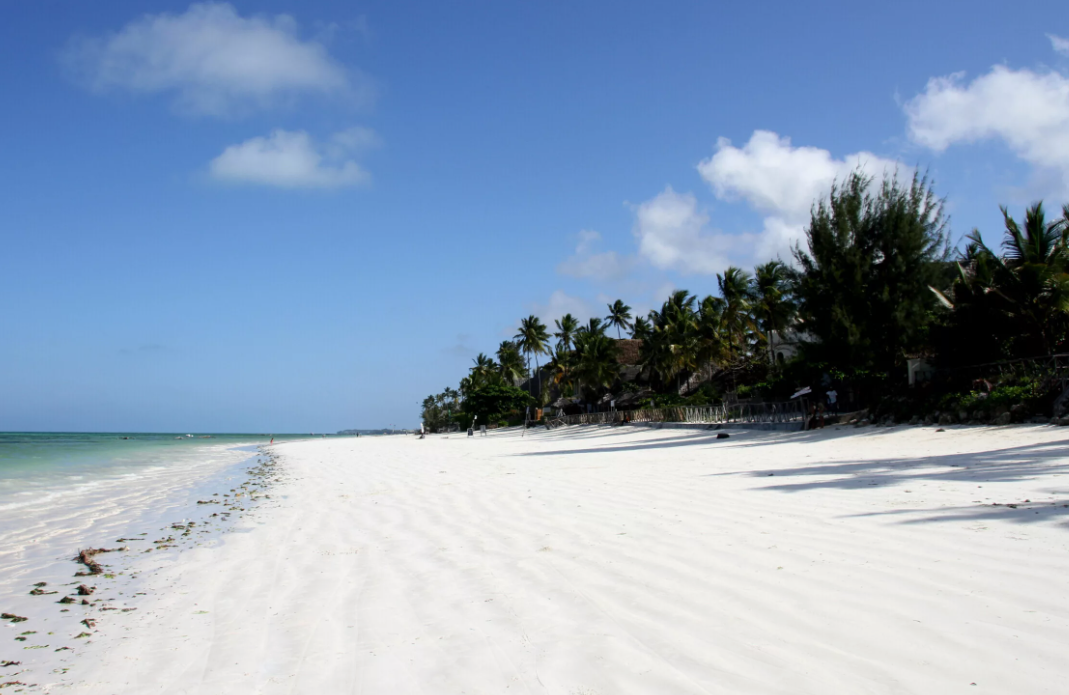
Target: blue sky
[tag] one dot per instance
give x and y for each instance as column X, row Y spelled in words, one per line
column 305, row 217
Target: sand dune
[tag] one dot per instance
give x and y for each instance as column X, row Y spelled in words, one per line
column 626, row 560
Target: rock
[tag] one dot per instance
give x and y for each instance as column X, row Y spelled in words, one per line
column 962, row 416
column 1063, row 421
column 1003, row 419
column 914, row 421
column 66, row 599
column 13, row 618
column 928, row 421
column 84, row 590
column 940, row 430
column 722, row 435
column 946, row 419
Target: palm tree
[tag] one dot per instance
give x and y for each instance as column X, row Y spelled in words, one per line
column 510, row 363
column 772, row 305
column 1028, row 285
column 1038, row 243
column 596, row 364
column 566, row 327
column 713, row 343
column 671, row 346
column 1034, row 273
column 483, row 369
column 734, row 287
column 640, row 329
column 619, row 316
column 452, row 396
column 533, row 339
column 594, row 326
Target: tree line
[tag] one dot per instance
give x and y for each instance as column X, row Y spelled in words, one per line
column 875, row 283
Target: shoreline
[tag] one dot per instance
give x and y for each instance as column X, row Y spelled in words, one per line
column 623, row 560
column 96, row 564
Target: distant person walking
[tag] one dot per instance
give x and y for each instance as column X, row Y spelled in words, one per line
column 833, row 401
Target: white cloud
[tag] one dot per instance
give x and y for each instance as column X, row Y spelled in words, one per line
column 1029, row 111
column 1059, row 44
column 292, row 160
column 673, row 234
column 584, row 263
column 216, row 61
column 783, row 182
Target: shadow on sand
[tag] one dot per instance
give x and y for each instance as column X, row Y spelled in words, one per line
column 1028, row 462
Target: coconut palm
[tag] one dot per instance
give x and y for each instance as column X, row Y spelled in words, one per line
column 1033, row 274
column 672, row 344
column 772, row 304
column 566, row 327
column 533, row 339
column 510, row 362
column 594, row 327
column 596, row 366
column 1020, row 298
column 735, row 318
column 713, row 343
column 640, row 329
column 619, row 316
column 482, row 371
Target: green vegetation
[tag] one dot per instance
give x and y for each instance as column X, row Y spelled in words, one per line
column 875, row 285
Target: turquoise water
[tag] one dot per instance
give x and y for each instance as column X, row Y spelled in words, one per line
column 32, row 461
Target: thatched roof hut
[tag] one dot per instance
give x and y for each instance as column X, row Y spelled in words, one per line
column 627, row 351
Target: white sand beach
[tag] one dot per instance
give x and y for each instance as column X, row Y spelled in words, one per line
column 623, row 560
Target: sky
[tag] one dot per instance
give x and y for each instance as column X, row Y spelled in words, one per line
column 279, row 216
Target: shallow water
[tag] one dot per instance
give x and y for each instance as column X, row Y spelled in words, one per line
column 40, row 457
column 63, row 491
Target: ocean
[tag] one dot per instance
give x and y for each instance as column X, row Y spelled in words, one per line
column 60, row 492
column 37, row 463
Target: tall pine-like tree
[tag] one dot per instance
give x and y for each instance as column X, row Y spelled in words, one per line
column 863, row 283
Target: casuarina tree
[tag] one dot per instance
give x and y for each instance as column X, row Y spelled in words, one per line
column 863, row 285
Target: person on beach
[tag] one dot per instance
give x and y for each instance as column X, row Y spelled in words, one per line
column 833, row 401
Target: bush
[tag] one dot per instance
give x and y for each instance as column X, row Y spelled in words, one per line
column 496, row 403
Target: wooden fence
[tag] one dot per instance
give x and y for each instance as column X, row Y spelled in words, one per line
column 776, row 412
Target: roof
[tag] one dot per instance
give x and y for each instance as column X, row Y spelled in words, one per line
column 627, row 351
